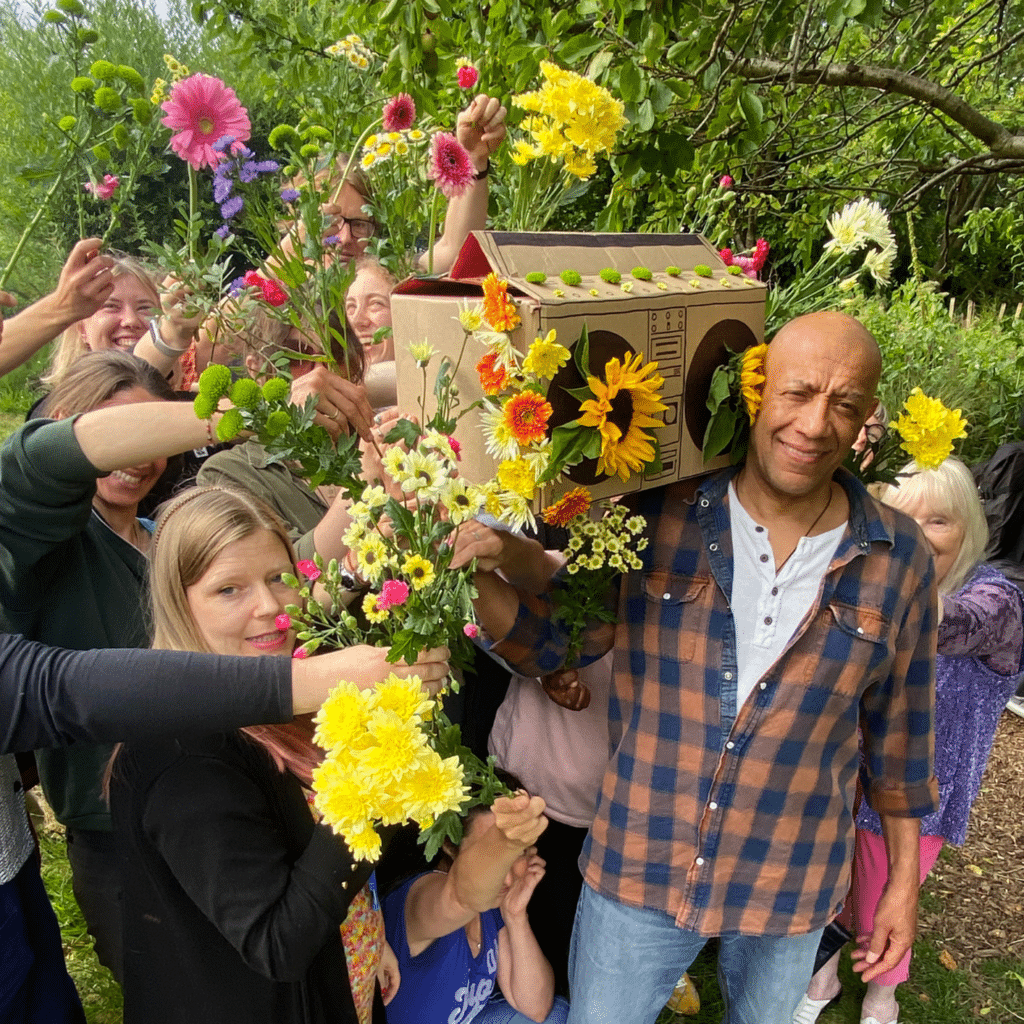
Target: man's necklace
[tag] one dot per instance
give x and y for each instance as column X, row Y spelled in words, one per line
column 808, row 531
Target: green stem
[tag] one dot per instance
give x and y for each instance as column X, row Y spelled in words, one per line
column 352, row 156
column 193, row 209
column 31, row 226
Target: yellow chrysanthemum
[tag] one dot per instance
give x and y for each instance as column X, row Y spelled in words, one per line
column 395, row 747
column 517, row 475
column 396, row 462
column 405, row 697
column 371, row 610
column 341, row 718
column 435, row 786
column 418, row 571
column 462, row 500
column 471, row 318
column 342, row 797
column 367, row 161
column 546, row 357
column 625, row 404
column 523, row 152
column 929, row 429
column 498, row 438
column 371, row 142
column 422, row 352
column 372, row 559
column 752, row 379
column 364, row 843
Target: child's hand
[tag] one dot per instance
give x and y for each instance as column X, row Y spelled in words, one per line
column 388, row 976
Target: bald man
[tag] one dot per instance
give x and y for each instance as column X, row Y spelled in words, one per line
column 778, row 608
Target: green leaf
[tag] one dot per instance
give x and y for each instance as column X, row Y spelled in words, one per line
column 580, row 394
column 569, row 443
column 720, row 431
column 655, row 466
column 577, row 47
column 711, row 75
column 629, row 83
column 751, row 106
column 645, row 116
column 581, row 354
column 403, row 430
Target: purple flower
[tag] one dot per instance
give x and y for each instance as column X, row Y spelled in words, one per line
column 223, row 143
column 238, row 285
column 232, row 207
column 221, row 188
column 247, row 172
column 267, row 167
column 223, row 231
column 289, row 195
column 331, row 240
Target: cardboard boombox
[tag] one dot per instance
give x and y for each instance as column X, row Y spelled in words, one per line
column 687, row 322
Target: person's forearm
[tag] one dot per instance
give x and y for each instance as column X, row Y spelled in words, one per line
column 328, row 532
column 496, row 604
column 526, row 565
column 903, row 849
column 531, row 978
column 127, row 435
column 466, row 213
column 31, row 329
column 478, row 874
column 173, row 340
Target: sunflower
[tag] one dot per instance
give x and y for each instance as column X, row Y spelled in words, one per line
column 499, row 311
column 526, row 416
column 575, row 503
column 752, row 379
column 623, row 405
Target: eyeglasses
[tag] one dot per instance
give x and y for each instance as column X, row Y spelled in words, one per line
column 875, row 432
column 358, row 227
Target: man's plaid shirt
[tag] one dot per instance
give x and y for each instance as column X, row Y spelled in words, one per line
column 741, row 821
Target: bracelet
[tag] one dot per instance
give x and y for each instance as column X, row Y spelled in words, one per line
column 480, row 175
column 160, row 345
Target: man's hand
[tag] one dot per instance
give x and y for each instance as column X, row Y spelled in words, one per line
column 474, row 540
column 480, row 128
column 566, row 690
column 894, row 931
column 341, row 405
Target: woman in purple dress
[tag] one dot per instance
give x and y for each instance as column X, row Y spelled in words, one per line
column 981, row 641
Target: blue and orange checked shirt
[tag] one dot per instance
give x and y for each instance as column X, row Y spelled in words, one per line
column 740, row 821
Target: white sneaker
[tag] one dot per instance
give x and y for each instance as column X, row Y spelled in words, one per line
column 1015, row 705
column 808, row 1010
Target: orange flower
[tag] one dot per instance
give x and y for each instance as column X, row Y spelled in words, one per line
column 526, row 415
column 499, row 311
column 575, row 503
column 493, row 376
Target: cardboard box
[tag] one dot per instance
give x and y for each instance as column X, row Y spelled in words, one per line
column 686, row 323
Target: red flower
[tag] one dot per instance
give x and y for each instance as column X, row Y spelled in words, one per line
column 274, row 293
column 283, row 621
column 725, row 181
column 456, row 448
column 253, row 280
column 471, row 629
column 451, row 168
column 468, row 76
column 308, row 569
column 726, row 256
column 105, row 189
column 393, row 592
column 200, row 111
column 399, row 113
column 300, row 653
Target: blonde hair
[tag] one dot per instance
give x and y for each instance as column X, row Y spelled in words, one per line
column 70, row 347
column 99, row 376
column 949, row 489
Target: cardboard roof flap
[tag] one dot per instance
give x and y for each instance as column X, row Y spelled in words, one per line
column 514, row 254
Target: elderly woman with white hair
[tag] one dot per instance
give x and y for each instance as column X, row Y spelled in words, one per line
column 980, row 647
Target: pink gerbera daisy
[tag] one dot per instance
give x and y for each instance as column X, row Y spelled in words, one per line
column 450, row 165
column 202, row 109
column 468, row 76
column 399, row 113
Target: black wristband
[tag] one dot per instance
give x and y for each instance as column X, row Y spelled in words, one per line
column 480, row 175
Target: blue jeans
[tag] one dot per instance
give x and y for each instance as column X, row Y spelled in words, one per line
column 498, row 1011
column 624, row 963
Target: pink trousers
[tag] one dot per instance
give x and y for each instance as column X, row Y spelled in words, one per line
column 870, row 873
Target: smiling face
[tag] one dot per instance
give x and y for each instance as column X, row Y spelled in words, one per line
column 821, row 373
column 368, row 307
column 123, row 318
column 944, row 533
column 125, row 488
column 349, row 206
column 235, row 602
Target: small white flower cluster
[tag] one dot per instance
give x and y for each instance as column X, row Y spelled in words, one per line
column 353, row 49
column 858, row 225
column 613, row 542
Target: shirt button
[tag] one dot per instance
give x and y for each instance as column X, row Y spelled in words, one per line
column 764, row 686
column 667, row 596
column 712, row 547
column 704, row 503
column 775, row 591
column 730, row 745
column 727, row 675
column 699, row 862
column 767, row 620
column 860, row 629
column 713, row 806
column 758, row 529
column 764, row 558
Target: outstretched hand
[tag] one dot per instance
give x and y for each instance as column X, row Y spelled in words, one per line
column 341, row 405
column 566, row 690
column 520, row 818
column 526, row 873
column 85, row 281
column 480, row 128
